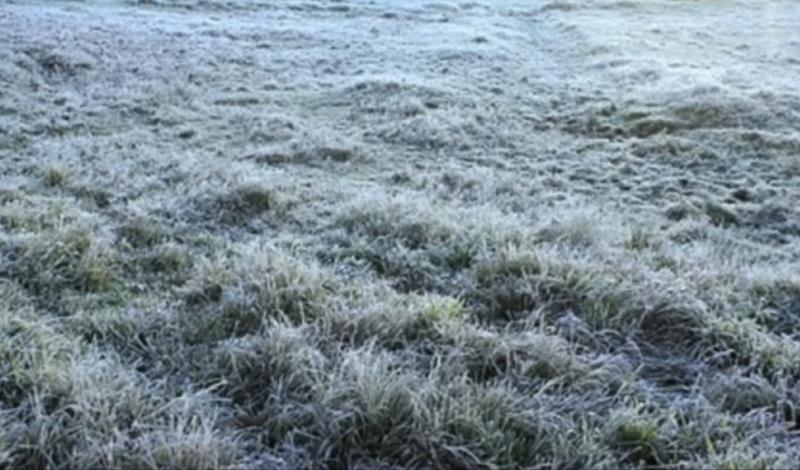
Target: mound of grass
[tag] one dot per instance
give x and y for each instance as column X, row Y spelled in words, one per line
column 414, row 245
column 56, row 177
column 241, row 205
column 142, row 232
column 73, row 258
column 281, row 359
column 239, row 295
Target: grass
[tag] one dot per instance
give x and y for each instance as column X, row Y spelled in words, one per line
column 231, row 297
column 242, row 255
column 74, row 258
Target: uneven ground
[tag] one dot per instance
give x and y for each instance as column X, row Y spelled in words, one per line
column 496, row 234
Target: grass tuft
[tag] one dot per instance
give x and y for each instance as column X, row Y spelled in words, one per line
column 73, row 258
column 56, row 177
column 236, row 297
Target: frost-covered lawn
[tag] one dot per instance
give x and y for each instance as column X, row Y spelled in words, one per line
column 354, row 234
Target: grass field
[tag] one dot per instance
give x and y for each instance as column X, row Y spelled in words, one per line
column 353, row 234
